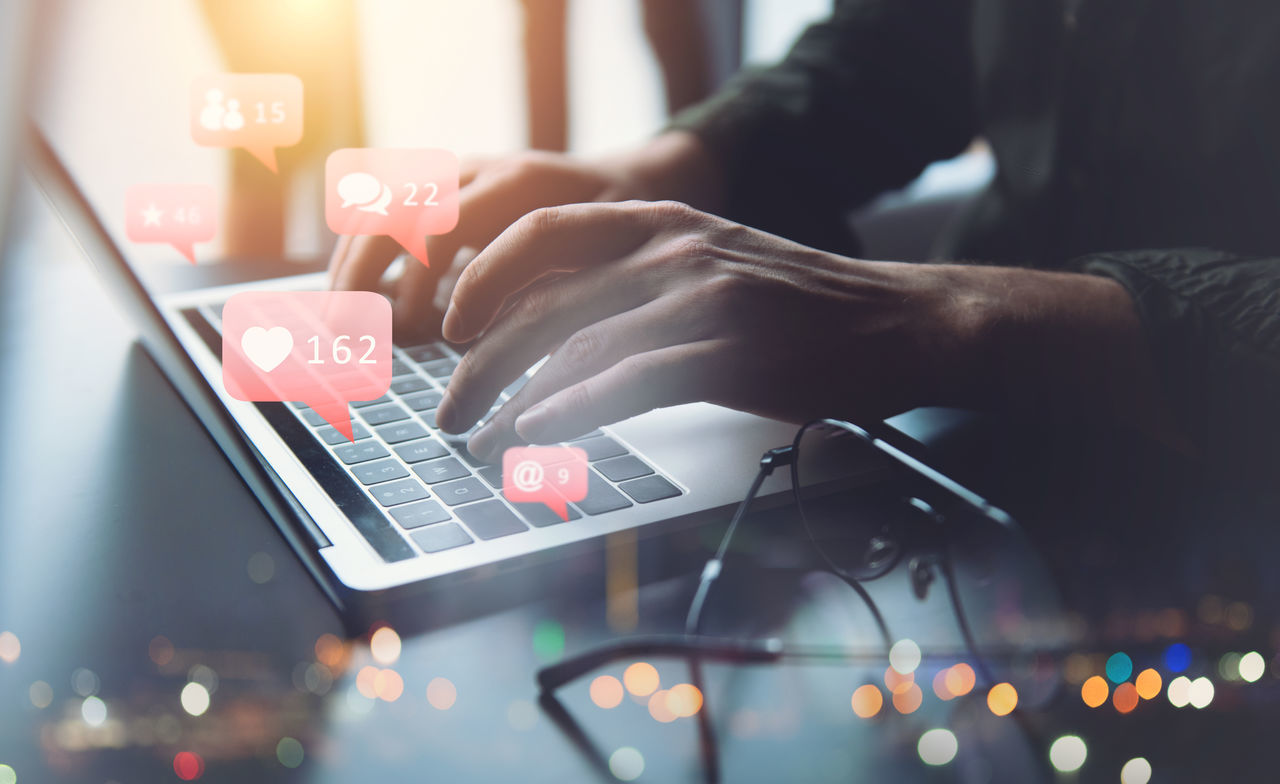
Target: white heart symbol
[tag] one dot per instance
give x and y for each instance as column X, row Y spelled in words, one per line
column 266, row 348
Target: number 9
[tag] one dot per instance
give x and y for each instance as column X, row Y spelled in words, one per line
column 563, row 474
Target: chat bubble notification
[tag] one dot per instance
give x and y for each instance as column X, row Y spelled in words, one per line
column 407, row 195
column 322, row 348
column 177, row 215
column 258, row 112
column 550, row 475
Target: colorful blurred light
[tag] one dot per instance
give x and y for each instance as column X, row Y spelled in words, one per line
column 188, row 765
column 384, row 644
column 1125, row 698
column 1177, row 657
column 365, row 681
column 867, row 701
column 940, row 685
column 904, row 656
column 1201, row 693
column 1148, row 683
column 1252, row 666
column 85, row 682
column 8, row 775
column 937, row 747
column 659, row 709
column 194, row 699
column 441, row 693
column 606, row 691
column 1119, row 667
column 548, row 641
column 160, row 650
column 10, row 647
column 1068, row 753
column 1095, row 691
column 93, row 711
column 330, row 651
column 1136, row 771
column 908, row 700
column 41, row 694
column 626, row 764
column 289, row 752
column 961, row 679
column 1002, row 699
column 388, row 685
column 896, row 681
column 684, row 700
column 1180, row 691
column 641, row 679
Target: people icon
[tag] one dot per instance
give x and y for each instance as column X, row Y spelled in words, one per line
column 215, row 117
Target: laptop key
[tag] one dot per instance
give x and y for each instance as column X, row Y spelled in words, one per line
column 403, row 386
column 417, row 451
column 401, row 492
column 423, row 400
column 399, row 368
column 366, row 403
column 493, row 475
column 459, row 443
column 439, row 368
column 462, row 491
column 312, row 418
column 592, row 434
column 490, row 520
column 541, row 514
column 601, row 497
column 650, row 488
column 401, row 431
column 359, row 453
column 420, row 514
column 332, row 437
column 384, row 414
column 381, row 471
column 442, row 470
column 444, row 536
column 622, row 468
column 425, row 353
column 600, row 447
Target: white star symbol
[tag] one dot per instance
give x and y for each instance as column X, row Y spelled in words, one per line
column 151, row 216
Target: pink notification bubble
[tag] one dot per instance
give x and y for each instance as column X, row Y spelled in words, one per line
column 177, row 215
column 322, row 348
column 548, row 475
column 258, row 112
column 404, row 194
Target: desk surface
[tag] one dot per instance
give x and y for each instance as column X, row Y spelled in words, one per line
column 133, row 561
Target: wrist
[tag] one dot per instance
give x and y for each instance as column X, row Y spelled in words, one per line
column 675, row 165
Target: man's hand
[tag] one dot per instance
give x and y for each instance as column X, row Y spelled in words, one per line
column 642, row 305
column 495, row 194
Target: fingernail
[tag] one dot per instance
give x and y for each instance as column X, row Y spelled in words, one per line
column 532, row 423
column 452, row 325
column 482, row 441
column 446, row 417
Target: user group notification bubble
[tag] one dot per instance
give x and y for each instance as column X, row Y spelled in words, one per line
column 550, row 475
column 258, row 112
column 177, row 215
column 404, row 194
column 322, row 348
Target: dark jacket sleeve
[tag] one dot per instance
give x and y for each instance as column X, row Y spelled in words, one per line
column 863, row 101
column 1213, row 322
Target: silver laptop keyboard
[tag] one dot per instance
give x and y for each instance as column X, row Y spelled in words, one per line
column 435, row 491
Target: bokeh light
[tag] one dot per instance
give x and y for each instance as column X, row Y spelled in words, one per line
column 1201, row 692
column 1002, row 699
column 641, row 679
column 188, row 765
column 1068, row 753
column 626, row 764
column 1252, row 666
column 896, row 681
column 93, row 711
column 1136, row 771
column 195, row 699
column 441, row 693
column 548, row 641
column 937, row 747
column 384, row 644
column 684, row 700
column 365, row 679
column 85, row 682
column 606, row 691
column 160, row 650
column 908, row 700
column 1180, row 691
column 41, row 694
column 261, row 568
column 1125, row 698
column 330, row 651
column 1177, row 657
column 10, row 647
column 8, row 775
column 867, row 700
column 659, row 709
column 904, row 656
column 1149, row 684
column 1229, row 666
column 940, row 685
column 1095, row 691
column 289, row 752
column 388, row 685
column 961, row 679
column 1119, row 667
column 205, row 676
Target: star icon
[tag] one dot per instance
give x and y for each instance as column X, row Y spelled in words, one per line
column 151, row 216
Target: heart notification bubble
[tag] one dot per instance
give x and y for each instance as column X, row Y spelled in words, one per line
column 322, row 348
column 548, row 475
column 404, row 194
column 258, row 112
column 177, row 215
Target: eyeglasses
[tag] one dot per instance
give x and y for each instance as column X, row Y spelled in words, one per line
column 867, row 506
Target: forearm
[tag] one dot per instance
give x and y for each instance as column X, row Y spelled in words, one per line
column 674, row 165
column 1058, row 345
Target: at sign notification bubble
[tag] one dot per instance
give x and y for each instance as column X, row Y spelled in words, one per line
column 258, row 112
column 177, row 215
column 548, row 475
column 322, row 348
column 404, row 194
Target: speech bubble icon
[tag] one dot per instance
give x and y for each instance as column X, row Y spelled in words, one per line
column 258, row 112
column 407, row 195
column 322, row 348
column 550, row 475
column 177, row 215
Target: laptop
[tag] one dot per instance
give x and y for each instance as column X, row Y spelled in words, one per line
column 404, row 507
